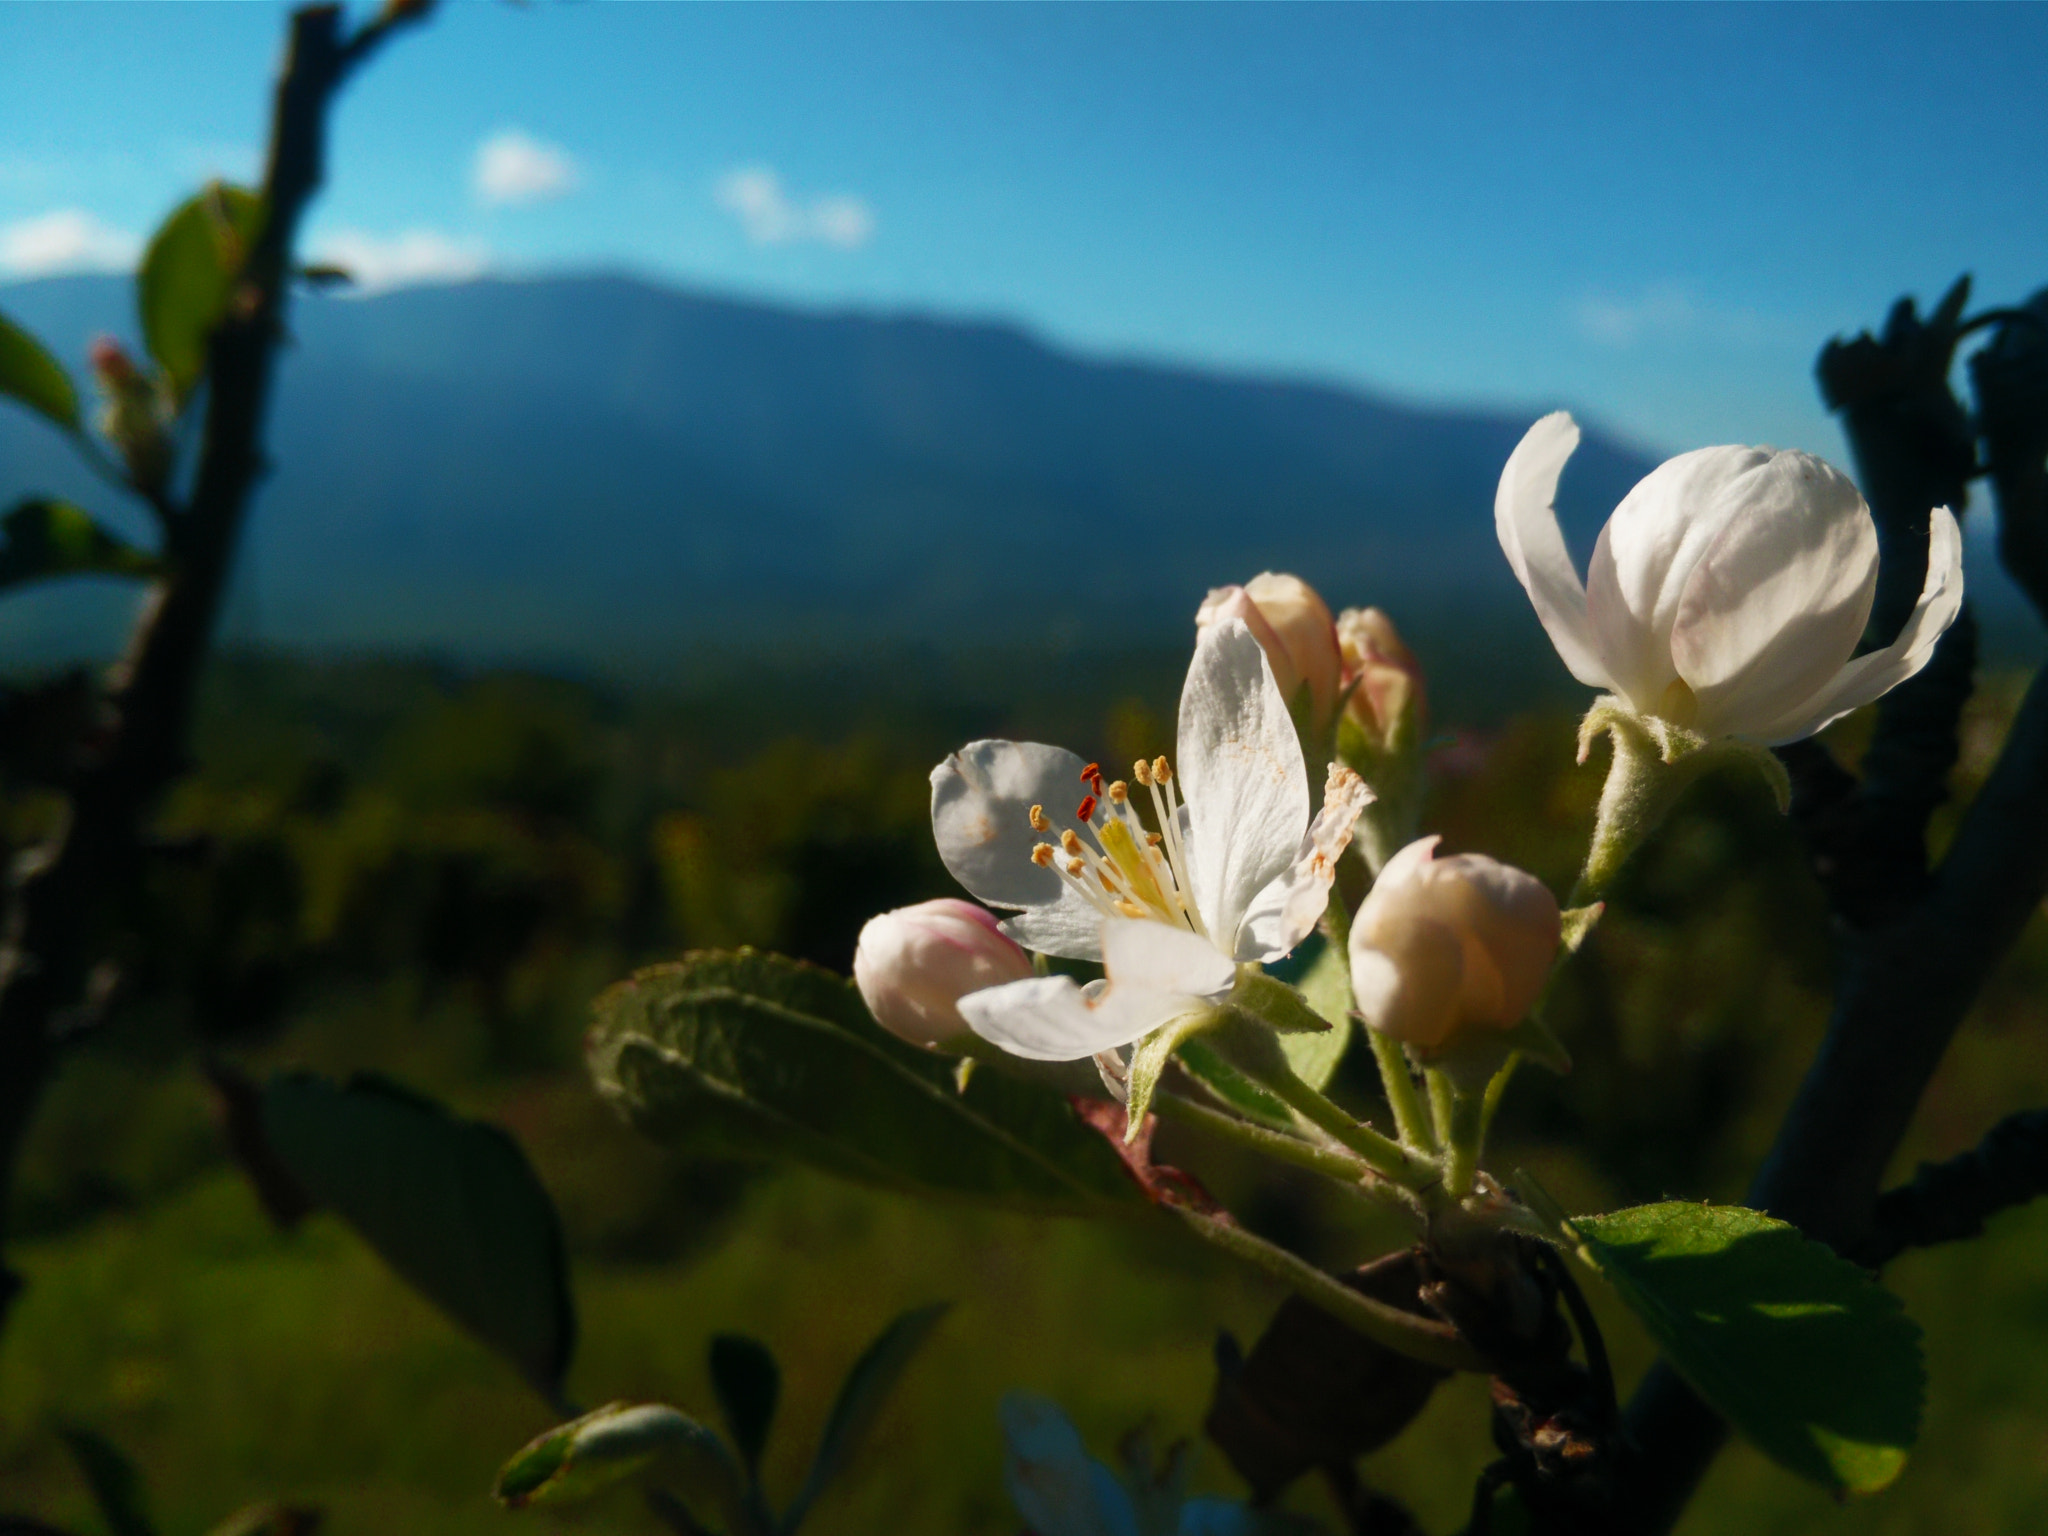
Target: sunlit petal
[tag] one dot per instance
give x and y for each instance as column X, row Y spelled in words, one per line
column 1046, row 1018
column 1869, row 677
column 1644, row 557
column 1283, row 914
column 1145, row 956
column 1525, row 519
column 981, row 817
column 1777, row 603
column 1241, row 774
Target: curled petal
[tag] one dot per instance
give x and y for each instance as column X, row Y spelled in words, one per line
column 1868, row 678
column 1286, row 910
column 1242, row 775
column 1777, row 603
column 1525, row 519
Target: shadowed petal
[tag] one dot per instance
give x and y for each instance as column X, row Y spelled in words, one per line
column 1525, row 519
column 981, row 817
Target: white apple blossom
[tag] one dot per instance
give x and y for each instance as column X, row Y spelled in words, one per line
column 1728, row 591
column 1235, row 872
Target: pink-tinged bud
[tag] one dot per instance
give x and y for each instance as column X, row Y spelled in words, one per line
column 914, row 965
column 1445, row 946
column 1293, row 626
column 1388, row 700
column 111, row 364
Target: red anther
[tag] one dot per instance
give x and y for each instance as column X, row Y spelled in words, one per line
column 1092, row 774
column 1087, row 808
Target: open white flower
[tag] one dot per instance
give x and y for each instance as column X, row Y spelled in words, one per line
column 1728, row 591
column 1235, row 871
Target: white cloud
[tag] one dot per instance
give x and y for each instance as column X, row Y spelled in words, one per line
column 513, row 167
column 770, row 216
column 65, row 240
column 1661, row 312
column 404, row 260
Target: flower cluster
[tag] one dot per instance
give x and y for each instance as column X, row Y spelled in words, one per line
column 1722, row 613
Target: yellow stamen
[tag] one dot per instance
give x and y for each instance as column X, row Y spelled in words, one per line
column 1119, row 791
column 1162, row 770
column 1142, row 772
column 1070, row 841
column 1039, row 823
column 1042, row 855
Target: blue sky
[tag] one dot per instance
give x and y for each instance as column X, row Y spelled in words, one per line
column 1654, row 215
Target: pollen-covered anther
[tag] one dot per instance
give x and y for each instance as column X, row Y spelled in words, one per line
column 1071, row 841
column 1142, row 772
column 1130, row 908
column 1042, row 855
column 1162, row 770
column 1076, row 868
column 1120, row 792
column 1153, row 839
column 1039, row 821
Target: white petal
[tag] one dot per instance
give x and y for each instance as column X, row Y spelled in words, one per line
column 1525, row 518
column 1777, row 604
column 981, row 817
column 1646, row 553
column 1241, row 775
column 1282, row 915
column 1869, row 677
column 1046, row 1018
column 1141, row 955
column 1072, row 929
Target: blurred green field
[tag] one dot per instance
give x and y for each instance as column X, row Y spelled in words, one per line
column 430, row 875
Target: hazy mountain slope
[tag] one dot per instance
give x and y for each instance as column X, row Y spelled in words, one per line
column 604, row 470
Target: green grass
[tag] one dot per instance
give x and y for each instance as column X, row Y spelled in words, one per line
column 236, row 1363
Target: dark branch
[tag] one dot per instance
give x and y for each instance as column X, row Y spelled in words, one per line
column 57, row 899
column 2010, row 377
column 1949, row 1202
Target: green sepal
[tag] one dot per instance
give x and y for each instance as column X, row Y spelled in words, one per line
column 1150, row 1056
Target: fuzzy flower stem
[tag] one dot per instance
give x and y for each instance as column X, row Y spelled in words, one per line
column 1387, row 1157
column 1462, row 1144
column 1278, row 1145
column 1411, row 1120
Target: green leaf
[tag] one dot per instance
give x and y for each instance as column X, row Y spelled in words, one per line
column 620, row 1440
column 1801, row 1350
column 747, row 1054
column 29, row 374
column 860, row 1402
column 451, row 1205
column 188, row 274
column 41, row 538
column 1321, row 972
column 748, row 1384
column 116, row 1485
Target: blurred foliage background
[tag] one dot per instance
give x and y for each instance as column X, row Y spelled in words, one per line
column 430, row 872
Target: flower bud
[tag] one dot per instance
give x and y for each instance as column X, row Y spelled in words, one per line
column 136, row 416
column 1441, row 947
column 1388, row 701
column 914, row 965
column 1293, row 627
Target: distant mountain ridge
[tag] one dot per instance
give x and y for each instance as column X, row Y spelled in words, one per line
column 605, row 471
